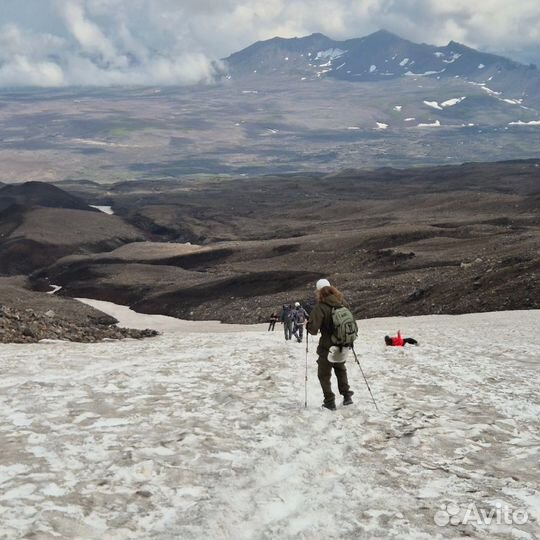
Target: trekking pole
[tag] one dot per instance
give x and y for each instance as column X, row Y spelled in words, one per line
column 363, row 375
column 305, row 381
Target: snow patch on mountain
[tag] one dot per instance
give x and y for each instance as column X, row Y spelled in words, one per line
column 452, row 102
column 404, row 62
column 398, row 108
column 433, row 104
column 381, row 125
column 330, row 54
column 453, row 57
column 104, row 209
column 425, row 74
column 490, row 91
column 521, row 123
column 372, row 68
column 437, row 123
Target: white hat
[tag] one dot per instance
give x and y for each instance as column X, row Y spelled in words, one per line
column 322, row 283
column 297, row 304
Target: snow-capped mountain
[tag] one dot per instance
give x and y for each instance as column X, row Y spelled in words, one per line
column 382, row 56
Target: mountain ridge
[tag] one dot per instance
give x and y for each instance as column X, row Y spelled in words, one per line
column 380, row 56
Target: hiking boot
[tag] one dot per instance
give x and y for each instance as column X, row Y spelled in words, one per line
column 330, row 405
column 347, row 399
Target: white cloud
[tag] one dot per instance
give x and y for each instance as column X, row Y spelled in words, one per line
column 65, row 42
column 20, row 71
column 88, row 34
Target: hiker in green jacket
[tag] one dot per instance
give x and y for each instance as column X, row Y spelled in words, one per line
column 320, row 318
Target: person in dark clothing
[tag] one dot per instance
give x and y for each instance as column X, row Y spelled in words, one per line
column 398, row 341
column 273, row 320
column 320, row 319
column 300, row 317
column 286, row 319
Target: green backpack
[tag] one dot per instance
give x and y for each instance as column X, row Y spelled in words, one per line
column 345, row 327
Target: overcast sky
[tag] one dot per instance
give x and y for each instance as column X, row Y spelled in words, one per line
column 89, row 42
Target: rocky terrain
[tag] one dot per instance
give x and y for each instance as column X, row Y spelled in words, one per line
column 398, row 242
column 40, row 223
column 29, row 317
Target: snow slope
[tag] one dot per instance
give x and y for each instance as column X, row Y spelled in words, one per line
column 191, row 436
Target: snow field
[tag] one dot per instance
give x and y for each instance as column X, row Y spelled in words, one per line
column 205, row 435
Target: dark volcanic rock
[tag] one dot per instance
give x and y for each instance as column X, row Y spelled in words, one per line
column 31, row 194
column 28, row 317
column 30, row 326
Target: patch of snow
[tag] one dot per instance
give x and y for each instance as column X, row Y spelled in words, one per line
column 353, row 127
column 131, row 319
column 513, row 101
column 340, row 66
column 250, row 91
column 286, row 58
column 53, row 490
column 381, row 125
column 521, row 123
column 93, row 142
column 452, row 102
column 489, row 91
column 434, row 124
column 372, row 68
column 330, row 54
column 433, row 104
column 397, row 108
column 409, row 119
column 425, row 74
column 404, row 62
column 454, row 56
column 217, row 442
column 438, row 54
column 481, row 66
column 55, row 289
column 104, row 209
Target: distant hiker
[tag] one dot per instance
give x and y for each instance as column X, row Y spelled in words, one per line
column 273, row 320
column 398, row 341
column 286, row 319
column 329, row 300
column 300, row 317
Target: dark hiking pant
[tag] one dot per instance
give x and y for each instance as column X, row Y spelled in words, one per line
column 298, row 331
column 410, row 341
column 287, row 328
column 271, row 326
column 324, row 373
